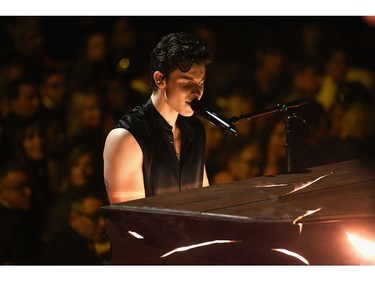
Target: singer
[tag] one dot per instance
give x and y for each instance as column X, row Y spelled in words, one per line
column 159, row 147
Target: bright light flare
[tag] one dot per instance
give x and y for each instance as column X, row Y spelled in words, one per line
column 304, row 185
column 186, row 248
column 135, row 234
column 364, row 246
column 293, row 254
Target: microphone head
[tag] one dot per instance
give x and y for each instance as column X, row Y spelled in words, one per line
column 215, row 119
column 196, row 105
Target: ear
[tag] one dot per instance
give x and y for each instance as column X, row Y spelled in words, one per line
column 158, row 78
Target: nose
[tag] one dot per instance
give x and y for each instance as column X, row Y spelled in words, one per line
column 196, row 96
column 197, row 92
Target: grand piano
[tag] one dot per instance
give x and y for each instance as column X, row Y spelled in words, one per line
column 321, row 216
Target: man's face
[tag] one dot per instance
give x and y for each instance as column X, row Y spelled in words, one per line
column 54, row 88
column 183, row 87
column 28, row 102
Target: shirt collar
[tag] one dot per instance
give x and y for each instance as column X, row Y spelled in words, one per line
column 156, row 117
column 159, row 121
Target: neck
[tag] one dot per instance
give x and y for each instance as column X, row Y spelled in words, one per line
column 162, row 106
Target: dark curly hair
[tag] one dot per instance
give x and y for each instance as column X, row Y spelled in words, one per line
column 178, row 51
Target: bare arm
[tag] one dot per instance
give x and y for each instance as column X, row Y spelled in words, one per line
column 123, row 160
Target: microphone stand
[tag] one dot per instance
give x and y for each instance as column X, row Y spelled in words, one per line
column 288, row 115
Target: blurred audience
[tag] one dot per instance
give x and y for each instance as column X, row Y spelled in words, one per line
column 268, row 81
column 306, row 79
column 357, row 134
column 84, row 122
column 83, row 240
column 24, row 104
column 273, row 146
column 12, row 70
column 311, row 137
column 29, row 149
column 80, row 175
column 215, row 160
column 335, row 70
column 242, row 162
column 91, row 67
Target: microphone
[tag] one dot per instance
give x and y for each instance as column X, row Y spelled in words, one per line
column 215, row 119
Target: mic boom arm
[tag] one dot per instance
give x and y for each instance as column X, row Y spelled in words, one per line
column 278, row 107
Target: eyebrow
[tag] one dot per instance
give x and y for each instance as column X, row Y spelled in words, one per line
column 191, row 78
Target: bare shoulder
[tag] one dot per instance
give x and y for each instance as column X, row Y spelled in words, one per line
column 118, row 135
column 119, row 138
column 121, row 145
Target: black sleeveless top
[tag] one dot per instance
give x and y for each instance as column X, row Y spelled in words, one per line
column 162, row 172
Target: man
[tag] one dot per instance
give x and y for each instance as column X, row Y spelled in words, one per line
column 24, row 104
column 19, row 240
column 159, row 147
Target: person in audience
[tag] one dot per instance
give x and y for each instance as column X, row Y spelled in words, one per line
column 83, row 240
column 19, row 235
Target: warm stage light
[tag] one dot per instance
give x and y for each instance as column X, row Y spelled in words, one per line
column 364, row 246
column 124, row 63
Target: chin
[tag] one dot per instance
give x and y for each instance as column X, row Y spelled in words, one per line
column 187, row 113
